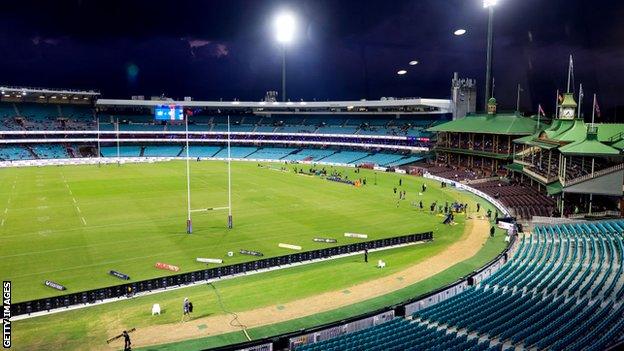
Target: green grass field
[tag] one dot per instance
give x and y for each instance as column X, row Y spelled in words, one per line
column 134, row 216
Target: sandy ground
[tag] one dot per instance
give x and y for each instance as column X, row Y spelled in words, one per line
column 474, row 237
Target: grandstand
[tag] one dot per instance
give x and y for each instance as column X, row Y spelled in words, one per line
column 346, row 138
column 562, row 290
column 566, row 168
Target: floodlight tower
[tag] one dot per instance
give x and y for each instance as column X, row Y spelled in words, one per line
column 489, row 4
column 284, row 34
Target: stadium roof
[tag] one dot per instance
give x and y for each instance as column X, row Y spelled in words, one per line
column 589, row 145
column 577, row 132
column 504, row 124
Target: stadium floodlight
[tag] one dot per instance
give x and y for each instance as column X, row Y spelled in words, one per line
column 401, row 72
column 413, row 62
column 489, row 3
column 460, row 32
column 285, row 26
column 235, row 102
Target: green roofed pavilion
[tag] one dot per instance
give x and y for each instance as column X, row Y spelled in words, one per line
column 589, row 146
column 501, row 124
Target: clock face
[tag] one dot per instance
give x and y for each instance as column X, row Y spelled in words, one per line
column 567, row 113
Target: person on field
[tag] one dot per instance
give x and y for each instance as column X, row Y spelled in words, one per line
column 400, row 182
column 127, row 342
column 478, row 207
column 365, row 255
column 186, row 310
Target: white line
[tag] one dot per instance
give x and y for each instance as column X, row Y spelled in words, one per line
column 73, row 198
column 78, row 208
column 70, row 193
column 2, row 223
column 83, row 221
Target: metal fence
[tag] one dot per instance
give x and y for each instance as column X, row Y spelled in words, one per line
column 129, row 289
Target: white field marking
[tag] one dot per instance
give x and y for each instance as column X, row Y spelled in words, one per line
column 70, row 192
column 83, row 221
column 73, row 198
column 78, row 208
column 199, row 282
column 157, row 220
column 2, row 223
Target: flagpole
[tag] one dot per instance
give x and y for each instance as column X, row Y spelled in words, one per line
column 557, row 105
column 518, row 99
column 570, row 72
column 230, row 222
column 580, row 100
column 189, row 225
column 593, row 111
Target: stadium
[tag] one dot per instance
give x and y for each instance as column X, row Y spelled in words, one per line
column 416, row 223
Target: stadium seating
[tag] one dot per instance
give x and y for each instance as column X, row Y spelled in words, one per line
column 237, row 152
column 345, row 157
column 202, row 151
column 45, row 151
column 162, row 151
column 12, row 153
column 272, row 153
column 562, row 289
column 124, row 151
column 309, row 155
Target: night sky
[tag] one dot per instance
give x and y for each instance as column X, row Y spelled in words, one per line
column 344, row 49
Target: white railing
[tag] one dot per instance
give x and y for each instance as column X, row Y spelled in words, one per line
column 182, row 133
column 123, row 160
column 540, row 177
column 480, row 180
column 596, row 174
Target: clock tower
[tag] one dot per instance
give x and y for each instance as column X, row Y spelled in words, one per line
column 567, row 108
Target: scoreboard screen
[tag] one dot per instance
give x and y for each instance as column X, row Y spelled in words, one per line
column 169, row 113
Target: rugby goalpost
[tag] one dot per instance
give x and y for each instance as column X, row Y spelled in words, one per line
column 189, row 210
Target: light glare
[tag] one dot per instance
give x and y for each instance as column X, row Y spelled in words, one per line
column 460, row 32
column 489, row 3
column 413, row 63
column 285, row 28
column 401, row 72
